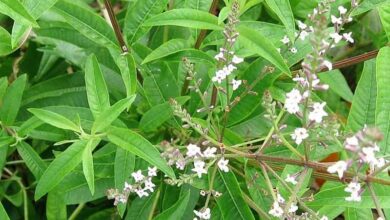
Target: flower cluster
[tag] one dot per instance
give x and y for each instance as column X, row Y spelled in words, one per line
column 278, row 205
column 226, row 57
column 142, row 187
column 203, row 214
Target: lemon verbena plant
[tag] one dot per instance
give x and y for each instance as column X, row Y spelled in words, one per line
column 195, row 109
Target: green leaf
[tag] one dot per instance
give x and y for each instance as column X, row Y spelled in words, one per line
column 382, row 110
column 88, row 164
column 11, row 101
column 54, row 119
column 88, row 23
column 17, row 11
column 33, row 161
column 283, row 10
column 128, row 70
column 97, row 93
column 60, row 167
column 384, row 13
column 137, row 14
column 155, row 117
column 107, row 117
column 337, row 83
column 190, row 18
column 55, row 206
column 363, row 104
column 123, row 166
column 5, row 42
column 3, row 213
column 365, row 6
column 231, row 202
column 171, row 47
column 263, row 47
column 3, row 88
column 357, row 214
column 142, row 208
column 139, row 146
column 177, row 210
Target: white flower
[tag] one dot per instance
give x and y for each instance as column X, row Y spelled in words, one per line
column 369, row 156
column 229, row 69
column 291, row 179
column 348, row 37
column 141, row 193
column 318, row 112
column 280, row 198
column 149, row 185
column 342, row 10
column 293, row 208
column 128, row 187
column 199, row 168
column 301, row 25
column 236, row 84
column 352, row 143
column 380, row 162
column 193, row 150
column 340, row 167
column 303, row 35
column 209, row 152
column 180, row 164
column 152, row 171
column 328, row 64
column 292, row 100
column 138, row 176
column 203, row 214
column 276, row 210
column 220, row 56
column 293, row 50
column 324, row 218
column 354, row 189
column 218, row 78
column 336, row 37
column 336, row 20
column 237, row 60
column 380, row 218
column 222, row 165
column 285, row 40
column 299, row 135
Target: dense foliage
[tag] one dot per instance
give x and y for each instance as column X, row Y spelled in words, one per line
column 205, row 109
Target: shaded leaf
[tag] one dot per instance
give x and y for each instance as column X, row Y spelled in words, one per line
column 54, row 119
column 11, row 101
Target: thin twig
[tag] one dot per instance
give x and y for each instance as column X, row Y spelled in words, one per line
column 116, row 27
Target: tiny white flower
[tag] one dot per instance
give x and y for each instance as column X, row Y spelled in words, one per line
column 280, row 198
column 141, row 193
column 353, row 187
column 152, row 171
column 324, row 218
column 293, row 50
column 380, row 218
column 336, row 37
column 303, row 35
column 339, row 167
column 342, row 10
column 236, row 84
column 301, row 25
column 220, row 56
column 293, row 208
column 149, row 185
column 229, row 69
column 138, row 176
column 285, row 40
column 222, row 165
column 237, row 60
column 209, row 152
column 299, row 135
column 199, row 168
column 128, row 187
column 348, row 37
column 276, row 210
column 380, row 162
column 354, row 197
column 291, row 179
column 203, row 214
column 180, row 164
column 352, row 143
column 336, row 20
column 318, row 112
column 193, row 150
column 328, row 64
column 294, row 95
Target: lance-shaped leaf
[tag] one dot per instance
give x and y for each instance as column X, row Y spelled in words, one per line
column 127, row 66
column 178, row 210
column 11, row 101
column 263, row 47
column 171, row 47
column 123, row 165
column 283, row 10
column 88, row 164
column 97, row 92
column 5, row 42
column 3, row 213
column 190, row 18
column 138, row 145
column 107, row 117
column 17, row 11
column 32, row 159
column 60, row 167
column 54, row 119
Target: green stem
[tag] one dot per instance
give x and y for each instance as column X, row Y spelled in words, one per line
column 211, row 184
column 253, row 205
column 77, row 211
column 376, row 201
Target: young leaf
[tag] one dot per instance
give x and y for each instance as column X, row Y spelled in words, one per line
column 137, row 14
column 108, row 116
column 60, row 167
column 88, row 164
column 127, row 66
column 263, row 47
column 17, row 11
column 363, row 104
column 283, row 10
column 177, row 210
column 382, row 110
column 32, row 159
column 139, row 146
column 171, row 47
column 11, row 101
column 190, row 18
column 97, row 93
column 54, row 119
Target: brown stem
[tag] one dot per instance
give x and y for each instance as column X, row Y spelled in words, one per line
column 116, row 27
column 353, row 60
